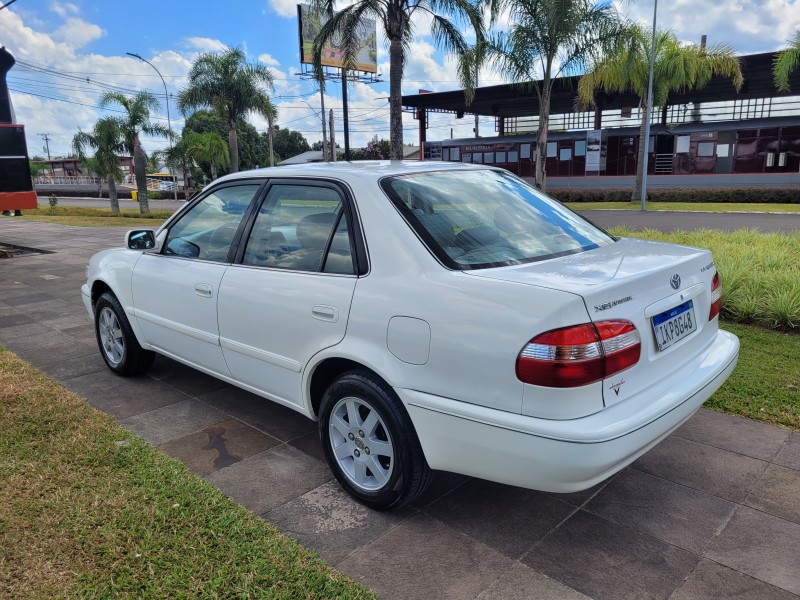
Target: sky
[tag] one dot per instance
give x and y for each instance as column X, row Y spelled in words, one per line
column 74, row 51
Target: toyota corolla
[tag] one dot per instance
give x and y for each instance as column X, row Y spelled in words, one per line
column 430, row 316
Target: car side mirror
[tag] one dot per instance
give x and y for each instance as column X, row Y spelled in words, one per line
column 140, row 239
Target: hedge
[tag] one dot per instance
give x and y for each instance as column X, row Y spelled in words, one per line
column 122, row 195
column 759, row 195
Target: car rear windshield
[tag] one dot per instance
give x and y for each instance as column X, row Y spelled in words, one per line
column 473, row 219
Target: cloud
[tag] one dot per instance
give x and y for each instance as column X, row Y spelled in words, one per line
column 64, row 9
column 205, row 44
column 284, row 8
column 77, row 33
column 268, row 60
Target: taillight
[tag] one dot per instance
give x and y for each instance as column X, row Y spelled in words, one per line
column 716, row 297
column 579, row 355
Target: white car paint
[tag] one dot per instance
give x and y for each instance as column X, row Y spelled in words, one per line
column 445, row 340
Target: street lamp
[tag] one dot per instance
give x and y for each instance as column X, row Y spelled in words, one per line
column 646, row 140
column 169, row 123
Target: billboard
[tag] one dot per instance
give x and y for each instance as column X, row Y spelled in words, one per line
column 310, row 24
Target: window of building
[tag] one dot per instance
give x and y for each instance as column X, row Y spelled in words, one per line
column 525, row 150
column 723, row 150
column 454, row 152
column 501, row 157
column 682, row 144
column 565, row 154
column 705, row 149
column 580, row 148
column 488, row 158
column 552, row 149
column 513, row 156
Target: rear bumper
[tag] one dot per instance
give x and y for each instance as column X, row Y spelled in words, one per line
column 564, row 455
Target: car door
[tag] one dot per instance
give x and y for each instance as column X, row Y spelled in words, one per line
column 289, row 295
column 175, row 291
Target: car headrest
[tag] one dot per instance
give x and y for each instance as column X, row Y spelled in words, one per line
column 313, row 230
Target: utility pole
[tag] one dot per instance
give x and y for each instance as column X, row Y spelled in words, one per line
column 333, row 140
column 271, row 154
column 46, row 138
column 324, row 133
column 345, row 119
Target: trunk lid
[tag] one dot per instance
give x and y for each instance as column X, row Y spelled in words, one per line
column 634, row 280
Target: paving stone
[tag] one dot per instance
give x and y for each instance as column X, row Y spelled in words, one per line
column 711, row 581
column 26, row 299
column 522, row 583
column 526, row 515
column 778, row 493
column 679, row 515
column 128, row 402
column 310, row 444
column 39, row 357
column 70, row 322
column 218, row 446
column 761, row 545
column 83, row 333
column 789, row 455
column 442, row 484
column 605, row 560
column 173, row 421
column 581, row 498
column 736, row 434
column 102, row 384
column 331, row 523
column 267, row 416
column 194, row 382
column 74, row 367
column 712, row 470
column 14, row 332
column 14, row 319
column 423, row 558
column 39, row 340
column 267, row 480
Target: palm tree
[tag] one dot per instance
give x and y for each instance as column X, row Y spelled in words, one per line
column 786, row 62
column 208, row 148
column 107, row 141
column 137, row 120
column 547, row 39
column 677, row 67
column 177, row 158
column 94, row 168
column 396, row 18
column 231, row 87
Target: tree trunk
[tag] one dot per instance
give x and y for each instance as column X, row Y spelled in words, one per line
column 185, row 170
column 112, row 195
column 643, row 143
column 99, row 187
column 541, row 138
column 233, row 145
column 139, row 171
column 395, row 97
column 213, row 170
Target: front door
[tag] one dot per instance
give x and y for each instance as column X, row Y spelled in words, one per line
column 175, row 292
column 290, row 295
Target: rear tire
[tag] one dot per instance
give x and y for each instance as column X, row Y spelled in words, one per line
column 118, row 344
column 370, row 443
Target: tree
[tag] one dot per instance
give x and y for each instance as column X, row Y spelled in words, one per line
column 93, row 167
column 374, row 150
column 288, row 143
column 253, row 146
column 547, row 39
column 396, row 18
column 786, row 62
column 207, row 148
column 137, row 120
column 677, row 67
column 107, row 139
column 231, row 87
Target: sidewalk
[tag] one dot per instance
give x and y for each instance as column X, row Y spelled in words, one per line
column 712, row 512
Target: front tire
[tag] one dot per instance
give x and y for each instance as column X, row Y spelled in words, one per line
column 370, row 443
column 118, row 345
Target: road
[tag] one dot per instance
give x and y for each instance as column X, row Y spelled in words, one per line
column 660, row 220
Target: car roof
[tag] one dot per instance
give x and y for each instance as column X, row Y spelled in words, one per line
column 364, row 170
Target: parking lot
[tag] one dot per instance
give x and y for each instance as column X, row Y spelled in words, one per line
column 712, row 512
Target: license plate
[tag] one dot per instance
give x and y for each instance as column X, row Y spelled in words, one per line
column 674, row 325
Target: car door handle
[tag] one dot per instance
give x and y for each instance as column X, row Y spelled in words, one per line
column 325, row 313
column 203, row 289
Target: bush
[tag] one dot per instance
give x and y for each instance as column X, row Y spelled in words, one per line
column 761, row 195
column 122, row 195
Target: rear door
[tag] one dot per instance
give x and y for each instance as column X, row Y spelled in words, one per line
column 289, row 295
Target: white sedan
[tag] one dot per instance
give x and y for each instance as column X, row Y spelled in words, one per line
column 429, row 316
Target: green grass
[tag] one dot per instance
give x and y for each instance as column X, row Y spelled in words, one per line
column 760, row 272
column 688, row 206
column 765, row 385
column 90, row 510
column 95, row 217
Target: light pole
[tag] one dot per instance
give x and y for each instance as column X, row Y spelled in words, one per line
column 169, row 123
column 649, row 108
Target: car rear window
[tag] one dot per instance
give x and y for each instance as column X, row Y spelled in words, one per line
column 475, row 219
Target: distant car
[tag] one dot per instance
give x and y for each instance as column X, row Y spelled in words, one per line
column 429, row 315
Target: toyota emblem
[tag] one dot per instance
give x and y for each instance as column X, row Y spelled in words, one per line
column 675, row 282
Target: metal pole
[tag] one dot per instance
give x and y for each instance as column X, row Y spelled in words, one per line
column 271, row 154
column 322, row 118
column 169, row 122
column 333, row 140
column 646, row 140
column 345, row 120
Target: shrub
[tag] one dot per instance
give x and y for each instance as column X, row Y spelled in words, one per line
column 761, row 195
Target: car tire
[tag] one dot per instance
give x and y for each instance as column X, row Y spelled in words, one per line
column 118, row 345
column 370, row 443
